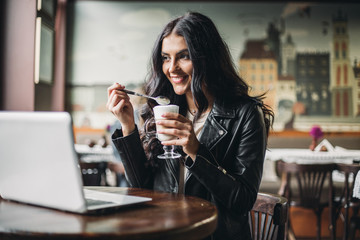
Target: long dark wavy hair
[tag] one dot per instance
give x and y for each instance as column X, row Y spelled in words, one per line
column 213, row 69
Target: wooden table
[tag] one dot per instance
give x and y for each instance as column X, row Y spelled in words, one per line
column 167, row 216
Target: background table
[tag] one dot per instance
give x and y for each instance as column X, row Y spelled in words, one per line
column 167, row 216
column 306, row 156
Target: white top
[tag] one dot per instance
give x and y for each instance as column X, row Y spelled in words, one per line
column 198, row 126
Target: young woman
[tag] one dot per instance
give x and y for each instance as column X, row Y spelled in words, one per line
column 221, row 130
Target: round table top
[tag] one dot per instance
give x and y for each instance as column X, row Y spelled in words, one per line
column 167, row 216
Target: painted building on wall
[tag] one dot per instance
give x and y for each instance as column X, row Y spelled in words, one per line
column 258, row 67
column 312, row 83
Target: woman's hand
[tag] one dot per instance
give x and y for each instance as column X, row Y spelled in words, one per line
column 177, row 125
column 119, row 104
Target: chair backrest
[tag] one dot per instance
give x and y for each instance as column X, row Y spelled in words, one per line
column 349, row 170
column 310, row 180
column 268, row 217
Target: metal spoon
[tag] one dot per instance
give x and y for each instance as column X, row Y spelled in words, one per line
column 160, row 99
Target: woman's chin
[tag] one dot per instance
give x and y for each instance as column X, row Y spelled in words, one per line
column 179, row 91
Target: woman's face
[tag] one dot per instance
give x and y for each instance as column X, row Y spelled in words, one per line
column 177, row 65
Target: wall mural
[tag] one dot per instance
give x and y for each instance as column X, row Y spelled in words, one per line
column 306, row 56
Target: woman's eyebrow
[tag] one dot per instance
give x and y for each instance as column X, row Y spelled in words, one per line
column 178, row 53
column 182, row 51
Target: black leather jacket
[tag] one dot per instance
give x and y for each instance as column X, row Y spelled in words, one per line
column 227, row 170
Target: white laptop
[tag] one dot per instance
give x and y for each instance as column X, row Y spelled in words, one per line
column 39, row 165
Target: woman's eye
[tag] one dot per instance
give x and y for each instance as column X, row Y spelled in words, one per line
column 185, row 56
column 165, row 58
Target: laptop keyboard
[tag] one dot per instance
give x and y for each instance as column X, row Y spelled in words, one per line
column 95, row 202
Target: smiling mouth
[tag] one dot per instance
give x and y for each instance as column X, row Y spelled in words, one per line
column 177, row 79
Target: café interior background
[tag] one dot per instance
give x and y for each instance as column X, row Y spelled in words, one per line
column 305, row 55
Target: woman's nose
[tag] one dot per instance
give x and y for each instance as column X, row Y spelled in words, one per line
column 173, row 66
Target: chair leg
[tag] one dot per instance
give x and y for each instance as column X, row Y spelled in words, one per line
column 289, row 232
column 346, row 222
column 318, row 225
column 335, row 214
column 291, row 235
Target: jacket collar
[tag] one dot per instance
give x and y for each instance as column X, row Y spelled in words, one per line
column 214, row 130
column 222, row 110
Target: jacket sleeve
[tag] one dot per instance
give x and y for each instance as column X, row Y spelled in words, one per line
column 133, row 157
column 235, row 184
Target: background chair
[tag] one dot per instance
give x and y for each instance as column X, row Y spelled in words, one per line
column 346, row 200
column 268, row 217
column 308, row 192
column 93, row 174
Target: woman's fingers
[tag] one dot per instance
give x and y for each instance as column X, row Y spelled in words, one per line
column 175, row 116
column 115, row 97
column 115, row 86
column 175, row 124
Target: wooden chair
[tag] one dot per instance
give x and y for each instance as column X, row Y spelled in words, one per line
column 268, row 217
column 310, row 179
column 93, row 174
column 346, row 200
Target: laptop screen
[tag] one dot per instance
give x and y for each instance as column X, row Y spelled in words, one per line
column 38, row 162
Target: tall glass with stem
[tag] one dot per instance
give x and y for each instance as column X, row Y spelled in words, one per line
column 159, row 110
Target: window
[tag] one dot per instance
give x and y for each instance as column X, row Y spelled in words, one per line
column 311, row 71
column 314, row 107
column 324, row 72
column 323, row 106
column 302, row 72
column 344, row 50
column 346, row 104
column 302, row 62
column 338, row 75
column 337, row 50
column 45, row 41
column 311, row 87
column 345, row 75
column 337, row 104
column 343, row 30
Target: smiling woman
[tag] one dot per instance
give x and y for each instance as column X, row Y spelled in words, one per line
column 220, row 130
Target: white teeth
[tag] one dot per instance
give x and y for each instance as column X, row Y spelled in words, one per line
column 176, row 78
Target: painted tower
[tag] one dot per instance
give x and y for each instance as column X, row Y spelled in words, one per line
column 288, row 57
column 342, row 76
